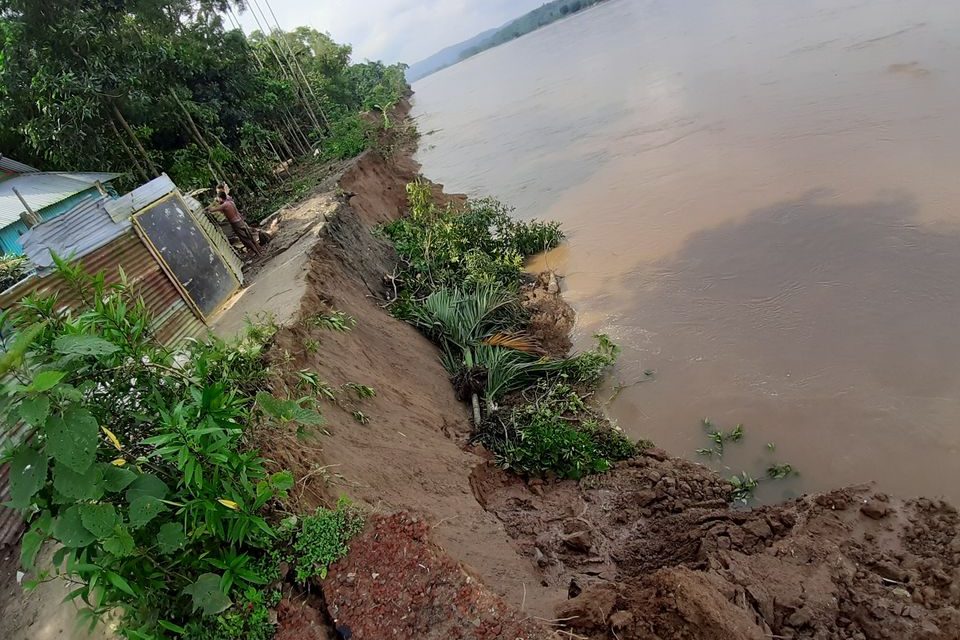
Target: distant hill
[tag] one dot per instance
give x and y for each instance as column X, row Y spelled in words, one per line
column 539, row 17
column 446, row 57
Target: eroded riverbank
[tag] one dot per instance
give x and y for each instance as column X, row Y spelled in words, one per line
column 650, row 550
column 458, row 548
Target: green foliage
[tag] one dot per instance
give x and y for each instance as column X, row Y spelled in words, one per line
column 743, row 487
column 361, row 390
column 334, row 321
column 480, row 245
column 324, row 538
column 12, row 268
column 145, row 86
column 138, row 467
column 557, row 433
column 780, row 471
column 591, row 366
column 350, row 135
column 248, row 619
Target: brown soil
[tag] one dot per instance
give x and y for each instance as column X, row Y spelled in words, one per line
column 410, row 454
column 651, row 550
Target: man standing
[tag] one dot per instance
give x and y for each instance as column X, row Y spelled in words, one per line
column 240, row 227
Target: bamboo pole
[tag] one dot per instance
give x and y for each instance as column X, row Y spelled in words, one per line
column 136, row 141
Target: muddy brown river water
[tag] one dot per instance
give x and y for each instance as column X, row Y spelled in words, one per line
column 762, row 199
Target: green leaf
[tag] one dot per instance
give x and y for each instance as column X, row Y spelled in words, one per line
column 120, row 543
column 34, row 411
column 207, row 596
column 169, row 626
column 274, row 407
column 78, row 486
column 29, row 548
column 308, row 417
column 143, row 509
column 171, row 537
column 13, row 356
column 147, row 484
column 98, row 519
column 120, row 583
column 28, row 472
column 116, row 479
column 72, row 439
column 69, row 529
column 84, row 345
column 282, row 481
column 46, row 380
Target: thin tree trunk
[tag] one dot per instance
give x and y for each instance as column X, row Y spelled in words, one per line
column 136, row 141
column 141, row 172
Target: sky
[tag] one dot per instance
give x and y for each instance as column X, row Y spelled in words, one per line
column 391, row 30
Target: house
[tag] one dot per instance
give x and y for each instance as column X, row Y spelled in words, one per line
column 47, row 194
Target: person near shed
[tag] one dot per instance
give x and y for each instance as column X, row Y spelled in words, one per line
column 229, row 209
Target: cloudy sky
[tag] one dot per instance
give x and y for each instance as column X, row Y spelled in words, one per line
column 392, row 30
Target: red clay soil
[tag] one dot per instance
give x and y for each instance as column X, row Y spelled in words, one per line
column 651, row 550
column 300, row 618
column 396, row 583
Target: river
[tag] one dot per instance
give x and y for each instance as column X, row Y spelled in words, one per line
column 762, row 205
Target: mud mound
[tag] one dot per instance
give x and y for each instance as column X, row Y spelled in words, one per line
column 651, row 550
column 396, row 584
column 551, row 318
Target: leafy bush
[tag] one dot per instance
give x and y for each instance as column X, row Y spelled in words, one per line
column 482, row 244
column 458, row 281
column 349, row 136
column 137, row 468
column 557, row 433
column 324, row 538
column 590, row 366
column 12, row 270
column 248, row 619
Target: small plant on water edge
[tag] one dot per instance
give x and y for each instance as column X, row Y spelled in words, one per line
column 744, row 486
column 557, row 433
column 780, row 471
column 361, row 417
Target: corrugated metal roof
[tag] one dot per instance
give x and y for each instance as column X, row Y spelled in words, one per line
column 76, row 233
column 126, row 205
column 8, row 164
column 42, row 189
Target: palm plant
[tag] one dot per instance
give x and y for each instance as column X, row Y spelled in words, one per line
column 474, row 329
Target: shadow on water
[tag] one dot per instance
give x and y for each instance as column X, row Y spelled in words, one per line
column 832, row 325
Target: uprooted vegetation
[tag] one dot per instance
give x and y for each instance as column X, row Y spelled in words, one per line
column 459, row 280
column 140, row 471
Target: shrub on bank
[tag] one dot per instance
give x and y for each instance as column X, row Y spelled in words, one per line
column 458, row 281
column 139, row 470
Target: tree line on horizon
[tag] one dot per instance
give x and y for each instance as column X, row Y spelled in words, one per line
column 539, row 17
column 142, row 87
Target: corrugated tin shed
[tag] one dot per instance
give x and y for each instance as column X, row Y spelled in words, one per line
column 42, row 189
column 91, row 224
column 12, row 166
